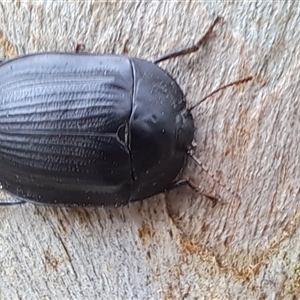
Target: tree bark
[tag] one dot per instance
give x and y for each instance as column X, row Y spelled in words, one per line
column 181, row 244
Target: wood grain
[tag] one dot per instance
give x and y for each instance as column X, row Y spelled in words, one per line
column 178, row 245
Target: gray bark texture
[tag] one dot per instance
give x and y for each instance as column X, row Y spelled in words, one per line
column 180, row 244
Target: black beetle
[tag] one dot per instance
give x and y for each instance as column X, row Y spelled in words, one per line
column 92, row 129
column 83, row 129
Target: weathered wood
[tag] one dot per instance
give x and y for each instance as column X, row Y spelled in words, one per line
column 178, row 245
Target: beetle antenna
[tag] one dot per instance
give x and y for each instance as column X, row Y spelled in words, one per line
column 205, row 169
column 190, row 49
column 240, row 81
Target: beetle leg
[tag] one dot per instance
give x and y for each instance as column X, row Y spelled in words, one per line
column 233, row 193
column 80, row 48
column 190, row 49
column 193, row 186
column 17, row 202
column 7, row 199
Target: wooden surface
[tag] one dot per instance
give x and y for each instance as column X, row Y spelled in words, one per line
column 178, row 245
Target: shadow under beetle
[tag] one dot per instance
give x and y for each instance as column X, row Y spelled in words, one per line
column 84, row 129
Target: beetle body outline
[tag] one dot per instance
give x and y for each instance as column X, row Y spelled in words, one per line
column 85, row 129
